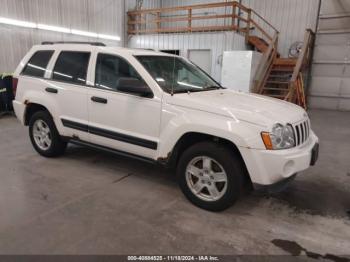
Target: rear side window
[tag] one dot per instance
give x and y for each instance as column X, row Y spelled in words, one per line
column 71, row 67
column 37, row 64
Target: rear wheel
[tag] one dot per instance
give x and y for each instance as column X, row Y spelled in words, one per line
column 211, row 175
column 44, row 135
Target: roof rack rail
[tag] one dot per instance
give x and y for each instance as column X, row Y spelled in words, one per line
column 73, row 42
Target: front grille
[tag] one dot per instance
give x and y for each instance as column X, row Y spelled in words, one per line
column 301, row 132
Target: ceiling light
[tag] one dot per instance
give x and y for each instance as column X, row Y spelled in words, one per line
column 54, row 28
column 109, row 37
column 8, row 21
column 15, row 22
column 84, row 33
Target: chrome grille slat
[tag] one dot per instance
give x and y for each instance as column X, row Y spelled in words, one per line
column 301, row 132
column 298, row 135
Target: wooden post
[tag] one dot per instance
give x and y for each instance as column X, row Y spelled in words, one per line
column 233, row 14
column 248, row 24
column 158, row 22
column 190, row 20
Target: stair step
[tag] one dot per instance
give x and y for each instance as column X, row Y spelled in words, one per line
column 259, row 43
column 277, row 82
column 281, row 69
column 281, row 76
column 276, row 96
column 285, row 62
column 276, row 88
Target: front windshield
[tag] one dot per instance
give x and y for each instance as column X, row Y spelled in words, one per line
column 176, row 75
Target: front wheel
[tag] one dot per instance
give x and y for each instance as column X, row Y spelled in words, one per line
column 211, row 175
column 44, row 135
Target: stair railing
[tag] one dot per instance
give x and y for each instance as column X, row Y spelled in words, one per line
column 265, row 65
column 181, row 19
column 303, row 61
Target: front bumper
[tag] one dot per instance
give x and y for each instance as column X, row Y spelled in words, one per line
column 267, row 167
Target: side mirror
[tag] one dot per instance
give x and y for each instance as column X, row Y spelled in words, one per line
column 134, row 86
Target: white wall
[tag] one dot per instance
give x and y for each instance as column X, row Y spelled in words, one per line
column 216, row 42
column 102, row 16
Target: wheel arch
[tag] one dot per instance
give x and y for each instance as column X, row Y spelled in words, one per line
column 31, row 109
column 191, row 138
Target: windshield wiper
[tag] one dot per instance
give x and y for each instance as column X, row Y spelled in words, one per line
column 212, row 88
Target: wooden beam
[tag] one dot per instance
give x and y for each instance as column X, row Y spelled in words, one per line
column 179, row 19
column 186, row 29
column 181, row 8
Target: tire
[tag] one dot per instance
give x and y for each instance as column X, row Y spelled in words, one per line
column 52, row 145
column 220, row 157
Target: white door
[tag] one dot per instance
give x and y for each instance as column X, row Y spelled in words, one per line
column 68, row 87
column 119, row 120
column 201, row 58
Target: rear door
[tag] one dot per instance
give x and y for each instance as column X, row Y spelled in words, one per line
column 67, row 86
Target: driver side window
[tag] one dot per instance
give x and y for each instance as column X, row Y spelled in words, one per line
column 112, row 70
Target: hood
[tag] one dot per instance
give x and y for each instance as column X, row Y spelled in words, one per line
column 253, row 108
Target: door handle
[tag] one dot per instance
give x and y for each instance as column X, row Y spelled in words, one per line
column 99, row 100
column 51, row 90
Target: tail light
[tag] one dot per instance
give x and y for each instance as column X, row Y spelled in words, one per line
column 14, row 86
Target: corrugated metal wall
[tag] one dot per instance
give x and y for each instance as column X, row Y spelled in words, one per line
column 330, row 86
column 102, row 16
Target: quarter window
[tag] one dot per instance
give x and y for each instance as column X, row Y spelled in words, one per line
column 71, row 67
column 112, row 70
column 37, row 64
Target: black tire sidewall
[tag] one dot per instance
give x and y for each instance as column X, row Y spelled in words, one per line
column 229, row 161
column 57, row 146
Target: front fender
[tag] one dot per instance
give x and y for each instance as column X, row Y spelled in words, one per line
column 177, row 122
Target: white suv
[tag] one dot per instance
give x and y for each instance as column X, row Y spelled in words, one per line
column 162, row 109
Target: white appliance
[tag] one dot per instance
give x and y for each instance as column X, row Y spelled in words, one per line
column 238, row 69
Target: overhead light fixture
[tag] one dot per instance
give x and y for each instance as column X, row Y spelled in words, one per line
column 54, row 28
column 84, row 33
column 8, row 21
column 109, row 37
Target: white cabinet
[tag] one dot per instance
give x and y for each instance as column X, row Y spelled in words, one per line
column 238, row 69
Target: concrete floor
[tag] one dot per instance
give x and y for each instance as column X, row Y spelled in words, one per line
column 95, row 203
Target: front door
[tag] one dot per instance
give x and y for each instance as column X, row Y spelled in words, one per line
column 119, row 120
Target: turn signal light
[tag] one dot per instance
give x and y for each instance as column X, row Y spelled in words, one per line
column 267, row 140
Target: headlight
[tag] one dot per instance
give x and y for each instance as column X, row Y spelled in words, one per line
column 281, row 137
